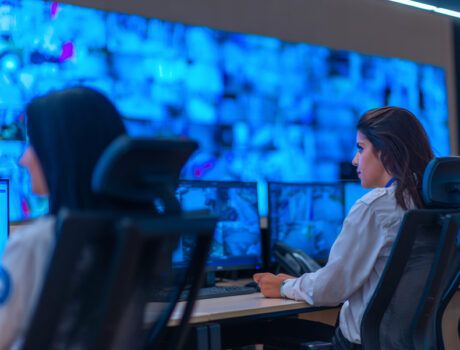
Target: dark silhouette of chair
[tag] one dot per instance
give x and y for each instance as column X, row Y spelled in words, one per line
column 109, row 264
column 452, row 286
column 444, row 188
column 405, row 309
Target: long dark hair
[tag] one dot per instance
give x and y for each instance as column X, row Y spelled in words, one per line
column 69, row 130
column 404, row 149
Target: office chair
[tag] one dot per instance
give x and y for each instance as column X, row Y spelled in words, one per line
column 450, row 290
column 108, row 264
column 445, row 172
column 402, row 310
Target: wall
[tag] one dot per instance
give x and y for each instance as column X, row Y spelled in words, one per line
column 376, row 27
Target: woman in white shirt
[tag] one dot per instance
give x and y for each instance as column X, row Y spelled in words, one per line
column 68, row 130
column 393, row 151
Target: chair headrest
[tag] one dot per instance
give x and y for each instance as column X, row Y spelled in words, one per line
column 141, row 169
column 441, row 183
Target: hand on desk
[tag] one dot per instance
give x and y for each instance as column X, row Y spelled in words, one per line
column 269, row 283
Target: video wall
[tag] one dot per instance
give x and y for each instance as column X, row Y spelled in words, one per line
column 261, row 109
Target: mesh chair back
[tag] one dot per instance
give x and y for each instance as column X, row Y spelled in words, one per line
column 400, row 314
column 108, row 264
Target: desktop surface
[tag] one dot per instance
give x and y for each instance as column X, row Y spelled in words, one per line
column 237, row 238
column 241, row 306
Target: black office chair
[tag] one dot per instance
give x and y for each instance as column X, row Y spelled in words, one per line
column 403, row 310
column 452, row 287
column 108, row 265
column 445, row 171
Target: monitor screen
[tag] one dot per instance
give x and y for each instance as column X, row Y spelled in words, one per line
column 261, row 108
column 306, row 216
column 4, row 217
column 237, row 239
column 352, row 191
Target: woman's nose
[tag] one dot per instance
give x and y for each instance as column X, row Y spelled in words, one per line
column 355, row 159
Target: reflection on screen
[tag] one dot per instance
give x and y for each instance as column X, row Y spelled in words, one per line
column 4, row 222
column 306, row 216
column 352, row 192
column 237, row 239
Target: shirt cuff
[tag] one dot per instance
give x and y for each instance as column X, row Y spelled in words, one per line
column 286, row 288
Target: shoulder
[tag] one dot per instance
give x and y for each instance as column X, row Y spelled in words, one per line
column 378, row 205
column 375, row 202
column 34, row 236
column 378, row 195
column 40, row 227
column 27, row 250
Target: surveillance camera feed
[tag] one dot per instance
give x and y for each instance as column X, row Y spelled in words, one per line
column 237, row 239
column 306, row 216
column 261, row 109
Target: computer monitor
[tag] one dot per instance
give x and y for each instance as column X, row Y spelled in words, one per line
column 305, row 216
column 237, row 239
column 352, row 191
column 4, row 213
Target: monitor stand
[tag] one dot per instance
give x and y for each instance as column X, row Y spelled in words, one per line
column 210, row 279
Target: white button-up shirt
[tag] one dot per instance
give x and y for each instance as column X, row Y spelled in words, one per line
column 22, row 271
column 356, row 261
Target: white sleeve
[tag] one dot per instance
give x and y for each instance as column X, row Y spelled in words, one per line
column 351, row 260
column 23, row 264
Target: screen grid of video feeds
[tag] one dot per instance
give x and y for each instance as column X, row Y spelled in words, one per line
column 262, row 109
column 237, row 239
column 309, row 216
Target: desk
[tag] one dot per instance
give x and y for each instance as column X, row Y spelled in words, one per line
column 241, row 306
column 210, row 315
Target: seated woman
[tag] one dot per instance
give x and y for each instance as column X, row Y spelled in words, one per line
column 68, row 131
column 393, row 152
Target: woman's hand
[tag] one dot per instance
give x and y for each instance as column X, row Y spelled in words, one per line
column 285, row 276
column 269, row 284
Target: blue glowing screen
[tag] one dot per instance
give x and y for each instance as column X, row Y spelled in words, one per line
column 237, row 239
column 261, row 109
column 306, row 216
column 4, row 220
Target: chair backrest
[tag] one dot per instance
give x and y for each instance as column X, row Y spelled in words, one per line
column 441, row 188
column 450, row 286
column 108, row 265
column 407, row 295
column 424, row 324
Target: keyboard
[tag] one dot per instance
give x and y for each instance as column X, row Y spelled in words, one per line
column 219, row 292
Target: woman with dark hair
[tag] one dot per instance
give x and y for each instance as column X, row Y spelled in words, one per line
column 392, row 153
column 68, row 131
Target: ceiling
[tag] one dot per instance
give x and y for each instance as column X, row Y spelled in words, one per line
column 447, row 4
